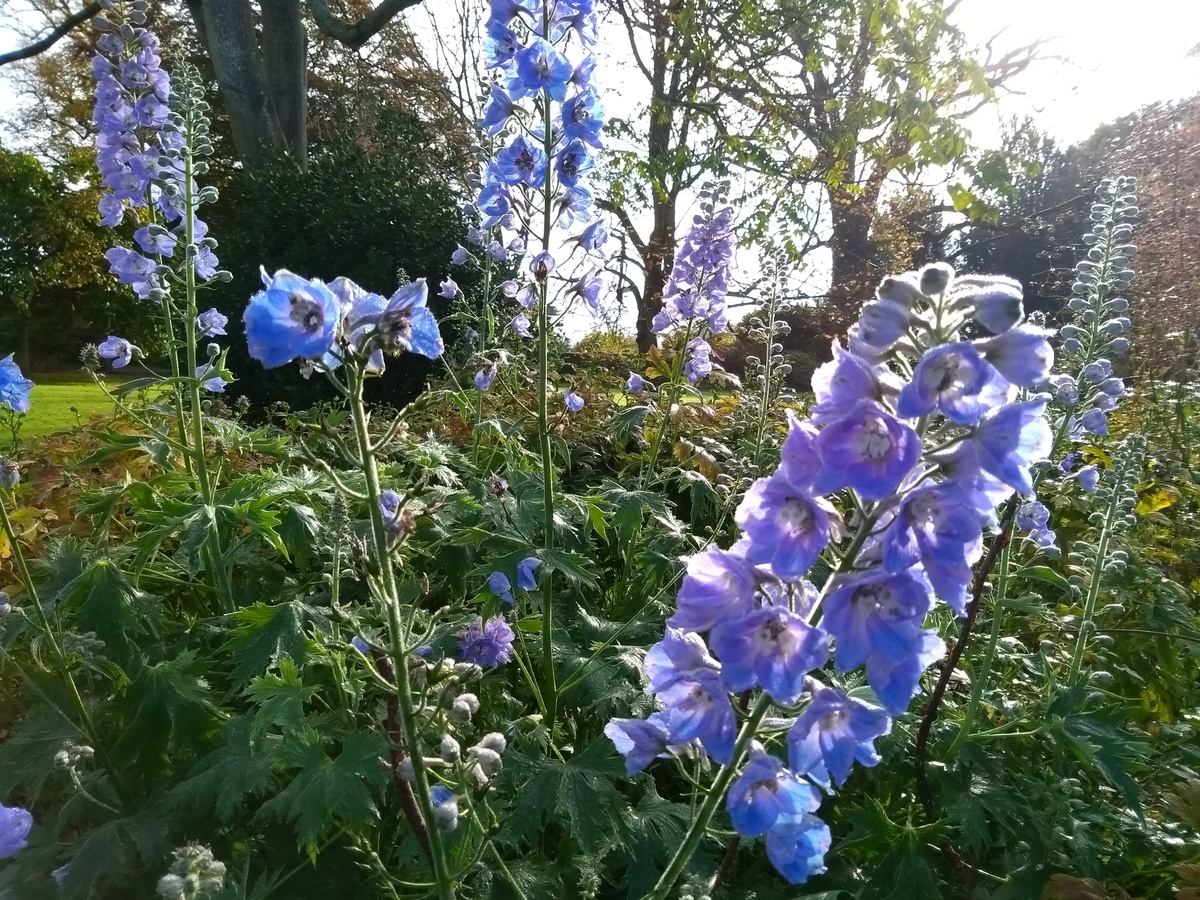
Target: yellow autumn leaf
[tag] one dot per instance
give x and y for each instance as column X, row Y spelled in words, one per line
column 1157, row 498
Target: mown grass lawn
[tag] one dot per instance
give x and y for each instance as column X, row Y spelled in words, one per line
column 59, row 402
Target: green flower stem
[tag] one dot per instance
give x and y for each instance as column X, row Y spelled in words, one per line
column 87, row 726
column 549, row 676
column 212, row 541
column 716, row 793
column 669, row 402
column 397, row 634
column 176, row 393
column 979, row 682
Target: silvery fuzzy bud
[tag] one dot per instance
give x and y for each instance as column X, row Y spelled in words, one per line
column 489, row 761
column 445, row 815
column 449, row 750
column 213, row 350
column 935, row 278
column 902, row 289
column 172, row 887
column 461, row 710
column 404, row 769
column 10, row 475
column 62, row 759
column 495, row 742
column 1119, row 345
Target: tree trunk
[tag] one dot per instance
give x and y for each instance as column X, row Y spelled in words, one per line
column 285, row 54
column 228, row 27
column 854, row 277
column 660, row 256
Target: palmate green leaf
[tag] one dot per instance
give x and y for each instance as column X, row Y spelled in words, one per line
column 298, row 529
column 103, row 600
column 654, row 828
column 112, row 852
column 170, row 710
column 281, row 697
column 227, row 776
column 269, row 632
column 578, row 793
column 327, row 791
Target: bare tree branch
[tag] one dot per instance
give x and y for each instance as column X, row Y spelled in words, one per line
column 355, row 34
column 56, row 34
column 623, row 215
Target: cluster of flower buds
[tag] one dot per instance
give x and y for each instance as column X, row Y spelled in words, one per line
column 919, row 434
column 694, row 299
column 194, row 873
column 141, row 146
column 71, row 755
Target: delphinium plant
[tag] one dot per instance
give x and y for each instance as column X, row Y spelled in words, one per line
column 544, row 118
column 915, row 437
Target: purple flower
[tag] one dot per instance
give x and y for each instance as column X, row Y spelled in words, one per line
column 869, row 450
column 1066, row 391
column 1022, row 354
column 448, row 288
column 842, row 382
column 999, row 308
column 541, row 265
column 786, row 525
column 459, row 256
column 496, row 251
column 119, row 350
column 719, row 585
column 882, row 322
column 485, row 376
column 1088, row 478
column 360, row 313
column 499, row 109
column 834, row 732
column 14, row 387
column 15, row 824
column 635, row 383
column 292, row 317
column 389, row 505
column 700, row 710
column 765, row 794
column 520, row 325
column 499, row 585
column 215, row 384
column 678, row 655
column 797, row 848
column 407, row 323
column 1095, row 421
column 155, row 239
column 542, row 68
column 593, row 238
column 573, row 206
column 573, row 162
column 640, row 741
column 1008, row 440
column 896, row 681
column 955, row 379
column 877, row 614
column 361, row 646
column 772, row 647
column 211, row 323
column 587, row 288
column 573, row 401
column 501, row 45
column 521, row 162
column 133, row 269
column 1032, row 515
column 487, row 644
column 526, row 580
column 1096, row 372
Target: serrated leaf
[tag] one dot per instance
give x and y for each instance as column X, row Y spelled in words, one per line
column 170, row 710
column 226, row 776
column 267, row 633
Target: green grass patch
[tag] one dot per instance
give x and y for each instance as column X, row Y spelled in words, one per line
column 60, row 402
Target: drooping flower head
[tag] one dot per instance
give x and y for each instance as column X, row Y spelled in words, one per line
column 834, row 732
column 766, row 794
column 408, row 324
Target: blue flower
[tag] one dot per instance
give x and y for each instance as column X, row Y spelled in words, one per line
column 119, row 350
column 504, row 11
column 773, row 648
column 501, row 44
column 998, row 307
column 635, row 383
column 155, row 239
column 955, row 379
column 573, row 205
column 542, row 68
column 876, row 613
column 460, row 256
column 583, row 117
column 680, row 654
column 521, row 162
column 896, row 681
column 14, row 387
column 390, row 507
column 797, row 848
column 766, row 794
column 292, row 317
column 496, row 251
column 869, row 450
column 1010, row 439
column 133, row 269
column 573, row 401
column 499, row 585
column 640, row 741
column 361, row 646
column 587, row 288
column 216, row 384
column 572, row 163
column 1094, row 421
column 407, row 323
column 834, row 732
column 842, row 382
column 520, row 325
column 487, row 644
column 526, row 580
column 360, row 320
column 1088, row 478
column 15, row 824
column 485, row 376
column 786, row 525
column 448, row 288
column 211, row 323
column 1096, row 372
column 1032, row 515
column 719, row 585
column 882, row 322
column 700, row 710
column 1022, row 354
column 445, row 807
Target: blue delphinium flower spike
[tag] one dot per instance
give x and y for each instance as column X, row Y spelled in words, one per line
column 117, row 349
column 772, row 648
column 14, row 387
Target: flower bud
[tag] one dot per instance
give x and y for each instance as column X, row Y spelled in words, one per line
column 935, row 278
column 10, row 475
column 449, row 750
column 404, row 769
column 495, row 742
column 489, row 761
